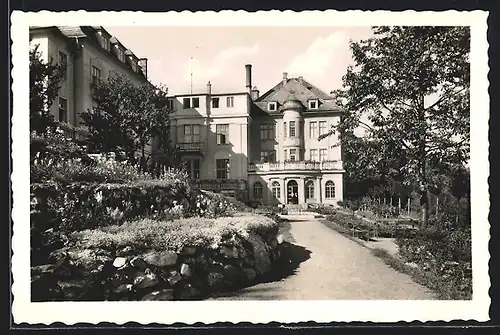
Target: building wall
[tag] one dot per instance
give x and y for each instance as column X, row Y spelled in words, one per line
column 237, row 118
column 50, row 44
column 93, row 55
column 257, row 145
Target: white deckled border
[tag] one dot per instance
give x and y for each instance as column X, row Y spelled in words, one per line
column 250, row 311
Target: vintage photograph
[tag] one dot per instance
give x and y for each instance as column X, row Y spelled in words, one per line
column 251, row 163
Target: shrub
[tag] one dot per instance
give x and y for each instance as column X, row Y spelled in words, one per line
column 174, row 235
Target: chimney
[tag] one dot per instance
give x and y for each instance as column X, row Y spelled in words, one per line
column 143, row 63
column 209, row 88
column 285, row 77
column 248, row 68
column 254, row 93
column 301, row 79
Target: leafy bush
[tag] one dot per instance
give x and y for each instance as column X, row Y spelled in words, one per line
column 213, row 205
column 173, row 235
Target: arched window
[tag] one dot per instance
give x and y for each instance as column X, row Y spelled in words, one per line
column 275, row 187
column 257, row 190
column 310, row 190
column 329, row 190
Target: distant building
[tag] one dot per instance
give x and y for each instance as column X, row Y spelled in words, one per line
column 89, row 54
column 264, row 148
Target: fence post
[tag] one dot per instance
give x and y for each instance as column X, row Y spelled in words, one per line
column 437, row 206
column 399, row 203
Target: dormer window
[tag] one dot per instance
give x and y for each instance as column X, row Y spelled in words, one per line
column 120, row 53
column 105, row 43
column 272, row 106
column 313, row 104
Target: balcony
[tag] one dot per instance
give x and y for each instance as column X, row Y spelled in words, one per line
column 191, row 147
column 295, row 166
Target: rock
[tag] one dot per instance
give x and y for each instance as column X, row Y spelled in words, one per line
column 166, row 258
column 138, row 263
column 188, row 291
column 119, row 262
column 123, row 288
column 73, row 289
column 188, row 251
column 166, row 294
column 215, row 280
column 143, row 280
column 42, row 269
column 229, row 252
column 174, row 277
column 280, row 239
column 260, row 254
column 231, row 274
column 273, row 244
column 185, row 270
column 249, row 274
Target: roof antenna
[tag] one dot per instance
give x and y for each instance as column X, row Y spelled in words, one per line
column 191, row 66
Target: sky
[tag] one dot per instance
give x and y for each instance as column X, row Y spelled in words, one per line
column 217, row 54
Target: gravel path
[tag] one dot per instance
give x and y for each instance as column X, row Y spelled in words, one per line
column 322, row 264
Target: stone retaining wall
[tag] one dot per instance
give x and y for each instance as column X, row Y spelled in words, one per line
column 193, row 273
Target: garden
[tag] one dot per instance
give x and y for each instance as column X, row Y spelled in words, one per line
column 437, row 256
column 103, row 230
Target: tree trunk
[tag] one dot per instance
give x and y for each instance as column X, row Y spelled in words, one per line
column 425, row 207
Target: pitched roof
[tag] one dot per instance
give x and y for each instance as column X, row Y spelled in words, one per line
column 296, row 89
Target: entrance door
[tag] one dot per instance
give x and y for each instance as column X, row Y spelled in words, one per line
column 292, row 192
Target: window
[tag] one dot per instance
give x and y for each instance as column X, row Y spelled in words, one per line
column 63, row 110
column 329, row 190
column 222, row 131
column 322, row 127
column 105, row 43
column 195, row 102
column 293, row 154
column 276, row 189
column 322, row 154
column 191, row 133
column 313, row 155
column 257, row 190
column 285, row 130
column 310, row 190
column 292, row 128
column 120, row 53
column 268, row 156
column 215, row 102
column 286, row 154
column 222, row 168
column 134, row 66
column 186, row 103
column 63, row 62
column 96, row 75
column 193, row 168
column 267, row 131
column 313, row 104
column 171, row 104
column 272, row 106
column 313, row 129
column 230, row 102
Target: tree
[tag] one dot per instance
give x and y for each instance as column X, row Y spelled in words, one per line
column 409, row 89
column 45, row 80
column 128, row 117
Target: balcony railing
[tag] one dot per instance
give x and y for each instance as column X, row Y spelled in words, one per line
column 195, row 146
column 295, row 166
column 220, row 184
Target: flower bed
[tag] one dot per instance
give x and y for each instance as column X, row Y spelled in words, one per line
column 159, row 260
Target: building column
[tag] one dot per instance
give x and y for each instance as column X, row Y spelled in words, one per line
column 302, row 188
column 320, row 190
column 283, row 190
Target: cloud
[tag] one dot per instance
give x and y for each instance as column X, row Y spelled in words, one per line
column 221, row 64
column 319, row 56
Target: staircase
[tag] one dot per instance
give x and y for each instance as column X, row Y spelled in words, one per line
column 295, row 209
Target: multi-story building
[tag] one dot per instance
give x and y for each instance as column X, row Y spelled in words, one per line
column 88, row 54
column 262, row 148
